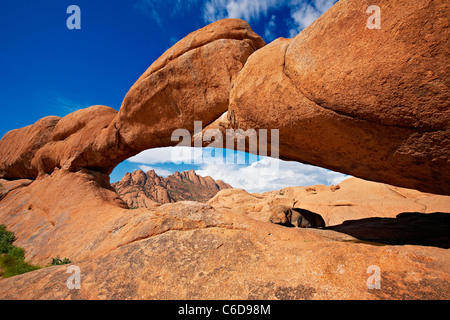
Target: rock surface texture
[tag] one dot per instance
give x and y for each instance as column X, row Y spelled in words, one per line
column 189, row 250
column 370, row 103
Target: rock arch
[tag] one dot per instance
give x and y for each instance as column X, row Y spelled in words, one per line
column 344, row 97
column 332, row 93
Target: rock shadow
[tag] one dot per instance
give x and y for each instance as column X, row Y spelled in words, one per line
column 413, row 228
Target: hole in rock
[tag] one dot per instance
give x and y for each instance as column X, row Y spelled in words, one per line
column 240, row 170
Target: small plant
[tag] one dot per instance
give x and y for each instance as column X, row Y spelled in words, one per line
column 12, row 258
column 12, row 266
column 6, row 239
column 58, row 262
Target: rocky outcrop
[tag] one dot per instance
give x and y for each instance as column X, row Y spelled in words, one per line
column 368, row 211
column 191, row 251
column 296, row 217
column 343, row 97
column 146, row 190
column 370, row 103
column 190, row 82
column 18, row 148
column 355, row 198
column 382, row 118
column 188, row 250
column 81, row 140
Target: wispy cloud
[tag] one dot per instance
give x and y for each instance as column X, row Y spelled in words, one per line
column 301, row 12
column 158, row 10
column 304, row 13
column 187, row 155
column 243, row 9
column 270, row 174
column 60, row 105
column 168, row 155
column 270, row 29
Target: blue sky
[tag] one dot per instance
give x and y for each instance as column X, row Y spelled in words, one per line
column 47, row 69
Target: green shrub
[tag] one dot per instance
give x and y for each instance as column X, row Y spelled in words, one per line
column 6, row 239
column 14, row 266
column 17, row 252
column 12, row 257
column 58, row 262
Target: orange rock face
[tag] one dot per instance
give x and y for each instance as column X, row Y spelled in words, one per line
column 190, row 82
column 190, row 250
column 370, row 103
column 81, row 140
column 355, row 198
column 18, row 147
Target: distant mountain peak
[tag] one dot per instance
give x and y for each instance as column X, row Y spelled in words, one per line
column 144, row 190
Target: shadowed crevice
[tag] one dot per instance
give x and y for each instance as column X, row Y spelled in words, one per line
column 408, row 228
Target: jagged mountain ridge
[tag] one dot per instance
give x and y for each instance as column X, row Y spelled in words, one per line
column 146, row 190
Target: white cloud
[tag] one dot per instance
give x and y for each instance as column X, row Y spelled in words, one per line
column 270, row 29
column 271, row 174
column 324, row 5
column 243, row 9
column 168, row 155
column 187, row 155
column 60, row 105
column 304, row 13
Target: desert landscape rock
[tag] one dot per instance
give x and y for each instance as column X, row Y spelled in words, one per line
column 80, row 140
column 18, row 147
column 363, row 209
column 188, row 250
column 355, row 198
column 189, row 82
column 390, row 137
column 178, row 89
column 296, row 217
column 370, row 103
column 146, row 190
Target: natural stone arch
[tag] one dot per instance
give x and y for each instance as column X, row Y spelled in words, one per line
column 70, row 209
column 288, row 85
